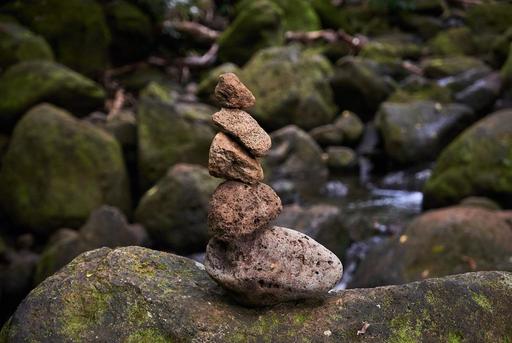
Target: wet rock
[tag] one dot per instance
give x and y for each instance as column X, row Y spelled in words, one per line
column 477, row 162
column 58, row 169
column 230, row 92
column 229, row 160
column 358, row 87
column 291, row 87
column 106, row 227
column 348, row 128
column 245, row 129
column 296, row 158
column 123, row 126
column 174, row 211
column 440, row 67
column 132, row 31
column 144, row 295
column 417, row 131
column 341, row 158
column 29, row 83
column 489, row 17
column 415, row 88
column 480, row 202
column 169, row 134
column 79, row 41
column 273, row 266
column 238, row 209
column 322, row 222
column 461, row 81
column 441, row 242
column 17, row 268
column 482, row 94
column 19, row 44
column 257, row 25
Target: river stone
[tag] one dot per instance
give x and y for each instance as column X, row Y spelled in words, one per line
column 477, row 162
column 58, row 169
column 139, row 295
column 244, row 128
column 230, row 92
column 229, row 160
column 238, row 209
column 273, row 266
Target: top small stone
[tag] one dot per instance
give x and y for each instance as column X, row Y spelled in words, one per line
column 230, row 92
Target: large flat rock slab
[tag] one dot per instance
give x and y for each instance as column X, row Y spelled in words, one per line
column 139, row 295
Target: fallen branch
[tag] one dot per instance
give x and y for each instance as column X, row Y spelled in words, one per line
column 115, row 105
column 194, row 29
column 330, row 36
column 200, row 61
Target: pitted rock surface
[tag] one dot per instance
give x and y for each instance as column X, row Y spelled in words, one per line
column 245, row 129
column 272, row 266
column 229, row 160
column 232, row 93
column 238, row 209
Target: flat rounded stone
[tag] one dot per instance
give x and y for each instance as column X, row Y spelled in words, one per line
column 229, row 160
column 232, row 93
column 272, row 266
column 245, row 129
column 238, row 209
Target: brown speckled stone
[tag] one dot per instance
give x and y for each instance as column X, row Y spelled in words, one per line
column 238, row 209
column 272, row 266
column 229, row 160
column 245, row 129
column 232, row 93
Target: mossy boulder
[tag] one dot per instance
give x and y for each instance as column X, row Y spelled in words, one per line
column 417, row 131
column 169, row 133
column 29, row 83
column 390, row 47
column 290, row 86
column 481, row 94
column 294, row 166
column 106, row 227
column 438, row 243
column 439, row 67
column 258, row 25
column 364, row 20
column 174, row 211
column 358, row 86
column 506, row 70
column 477, row 162
column 139, row 295
column 19, row 44
column 132, row 31
column 416, row 88
column 492, row 17
column 58, row 169
column 425, row 26
column 455, row 41
column 76, row 29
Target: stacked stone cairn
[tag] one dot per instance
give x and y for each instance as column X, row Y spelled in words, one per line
column 259, row 264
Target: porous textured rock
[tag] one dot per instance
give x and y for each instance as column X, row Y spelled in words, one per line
column 58, row 169
column 245, row 129
column 230, row 92
column 238, row 209
column 138, row 295
column 229, row 160
column 273, row 266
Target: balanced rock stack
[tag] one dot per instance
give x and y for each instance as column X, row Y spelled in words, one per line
column 257, row 263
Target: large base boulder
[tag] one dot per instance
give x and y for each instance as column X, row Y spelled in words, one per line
column 138, row 295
